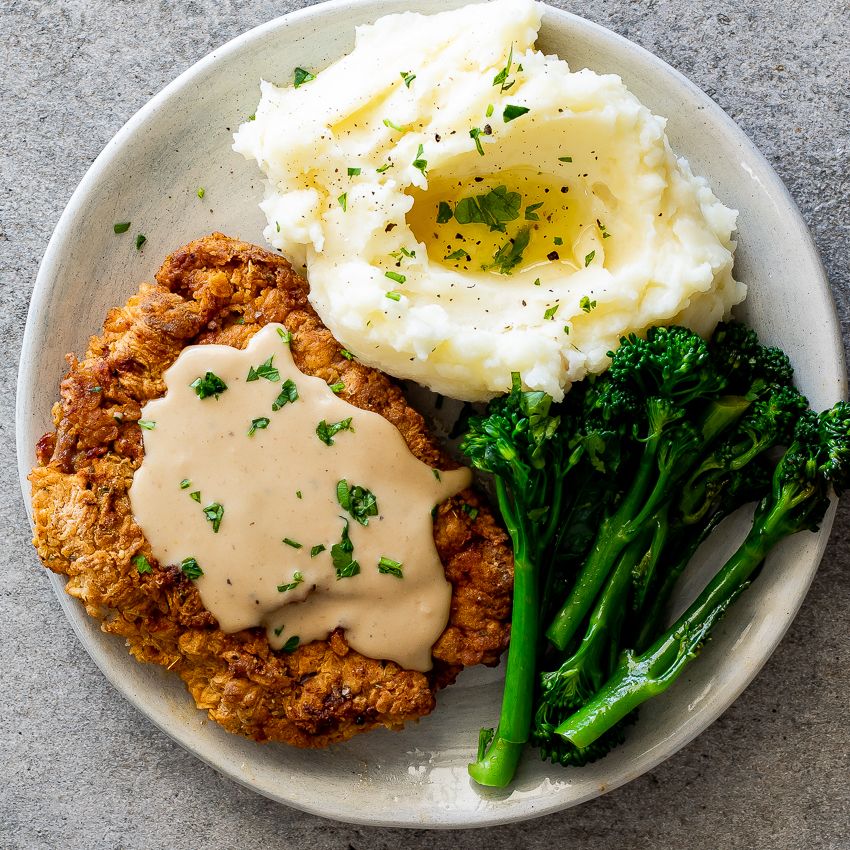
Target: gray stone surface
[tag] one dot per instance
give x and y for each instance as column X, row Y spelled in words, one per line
column 79, row 768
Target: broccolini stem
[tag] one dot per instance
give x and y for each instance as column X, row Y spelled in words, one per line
column 640, row 677
column 497, row 765
column 614, row 535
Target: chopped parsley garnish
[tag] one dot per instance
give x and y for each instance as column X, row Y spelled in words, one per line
column 277, row 226
column 558, row 241
column 261, row 423
column 278, row 631
column 346, row 354
column 567, row 330
column 550, row 311
column 143, row 565
column 195, row 495
column 501, row 79
column 147, row 424
column 512, row 111
column 489, row 111
column 301, row 76
column 398, row 278
column 343, row 201
column 288, row 394
column 286, row 336
column 537, row 281
column 475, row 134
column 338, row 387
column 492, row 208
column 121, row 227
column 140, row 240
column 565, row 159
column 185, row 484
column 383, row 168
column 388, row 123
column 388, row 565
column 291, row 645
column 190, row 568
column 444, row 213
column 317, row 550
column 209, row 385
column 201, row 192
column 530, row 211
column 297, row 578
column 603, row 229
column 589, row 258
column 393, row 296
column 298, row 494
column 353, row 172
column 252, row 116
column 460, row 254
column 293, row 543
column 344, row 564
column 509, row 256
column 265, row 370
column 408, row 77
column 358, row 501
column 419, row 162
column 586, row 304
column 326, row 431
column 470, row 511
column 214, row 513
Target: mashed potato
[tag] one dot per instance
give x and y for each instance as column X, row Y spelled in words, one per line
column 467, row 207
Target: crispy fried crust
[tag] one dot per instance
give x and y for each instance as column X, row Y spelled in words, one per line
column 218, row 290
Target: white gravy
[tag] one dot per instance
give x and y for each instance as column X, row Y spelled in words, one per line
column 281, row 484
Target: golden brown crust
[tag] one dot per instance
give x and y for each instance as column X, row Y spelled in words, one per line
column 219, row 290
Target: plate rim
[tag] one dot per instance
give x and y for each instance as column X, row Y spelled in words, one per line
column 76, row 614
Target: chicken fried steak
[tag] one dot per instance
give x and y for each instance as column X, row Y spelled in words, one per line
column 219, row 290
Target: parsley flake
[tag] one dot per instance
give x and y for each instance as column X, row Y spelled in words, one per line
column 147, row 424
column 358, row 501
column 214, row 513
column 513, row 111
column 195, row 495
column 301, row 76
column 419, row 162
column 550, row 311
column 393, row 296
column 353, row 172
column 530, row 211
column 444, row 213
column 143, row 565
column 288, row 395
column 489, row 111
column 338, row 387
column 344, row 564
column 140, row 240
column 201, row 192
column 297, row 578
column 408, row 77
column 286, row 336
column 185, row 484
column 501, row 79
column 388, row 123
column 293, row 543
column 265, row 370
column 398, row 278
column 391, row 567
column 460, row 254
column 316, row 550
column 209, row 385
column 475, row 134
column 343, row 201
column 292, row 644
column 565, row 159
column 326, row 431
column 589, row 258
column 586, row 304
column 190, row 568
column 509, row 256
column 260, row 423
column 493, row 208
column 469, row 510
column 121, row 227
column 346, row 354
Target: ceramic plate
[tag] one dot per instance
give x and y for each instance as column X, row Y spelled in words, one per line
column 149, row 174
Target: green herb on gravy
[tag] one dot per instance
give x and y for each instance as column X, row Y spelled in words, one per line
column 288, row 394
column 391, row 567
column 344, row 564
column 358, row 501
column 214, row 513
column 326, row 431
column 261, row 423
column 190, row 568
column 265, row 370
column 209, row 385
column 297, row 578
column 301, row 76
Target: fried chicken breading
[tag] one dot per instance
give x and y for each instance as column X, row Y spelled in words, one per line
column 219, row 290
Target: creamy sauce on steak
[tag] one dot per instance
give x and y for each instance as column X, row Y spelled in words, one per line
column 290, row 508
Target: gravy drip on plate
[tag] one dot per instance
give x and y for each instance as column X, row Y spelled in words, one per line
column 288, row 531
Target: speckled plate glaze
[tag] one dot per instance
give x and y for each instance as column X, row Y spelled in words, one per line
column 149, row 174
